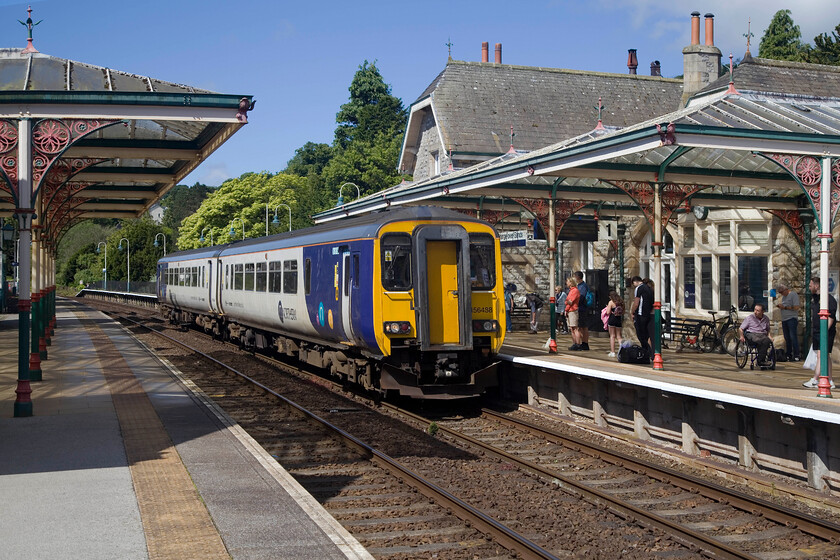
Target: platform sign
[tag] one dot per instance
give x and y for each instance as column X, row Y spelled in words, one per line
column 513, row 238
column 607, row 230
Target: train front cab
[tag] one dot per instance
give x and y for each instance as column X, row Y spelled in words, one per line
column 442, row 308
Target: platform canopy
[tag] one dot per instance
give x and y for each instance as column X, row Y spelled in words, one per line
column 105, row 143
column 724, row 150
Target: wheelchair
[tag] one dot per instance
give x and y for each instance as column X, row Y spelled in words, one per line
column 748, row 351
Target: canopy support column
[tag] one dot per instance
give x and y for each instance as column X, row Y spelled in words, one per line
column 552, row 273
column 24, row 211
column 657, row 275
column 825, row 237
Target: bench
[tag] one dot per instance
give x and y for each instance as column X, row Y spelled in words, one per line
column 683, row 331
column 520, row 317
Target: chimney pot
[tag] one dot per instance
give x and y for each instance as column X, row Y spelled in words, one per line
column 498, row 53
column 485, row 52
column 710, row 30
column 632, row 61
column 695, row 28
column 655, row 68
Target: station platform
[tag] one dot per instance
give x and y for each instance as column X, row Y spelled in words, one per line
column 121, row 459
column 711, row 376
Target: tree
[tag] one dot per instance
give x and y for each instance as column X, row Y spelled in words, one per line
column 782, row 39
column 180, row 202
column 826, row 48
column 245, row 198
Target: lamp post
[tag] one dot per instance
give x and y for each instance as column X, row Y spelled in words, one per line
column 128, row 263
column 104, row 270
column 233, row 229
column 341, row 198
column 201, row 239
column 164, row 242
column 276, row 222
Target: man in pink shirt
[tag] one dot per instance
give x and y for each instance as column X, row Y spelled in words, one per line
column 756, row 329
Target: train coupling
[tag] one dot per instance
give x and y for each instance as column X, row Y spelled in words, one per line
column 447, row 366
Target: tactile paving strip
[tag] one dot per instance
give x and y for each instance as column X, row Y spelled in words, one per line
column 175, row 520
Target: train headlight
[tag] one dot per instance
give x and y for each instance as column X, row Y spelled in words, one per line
column 397, row 327
column 485, row 326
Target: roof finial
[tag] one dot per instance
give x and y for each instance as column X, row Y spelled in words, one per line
column 600, row 125
column 449, row 44
column 30, row 48
column 748, row 34
column 511, row 151
column 731, row 78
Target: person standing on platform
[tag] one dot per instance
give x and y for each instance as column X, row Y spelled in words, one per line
column 814, row 286
column 583, row 311
column 560, row 306
column 756, row 329
column 642, row 306
column 509, row 306
column 536, row 304
column 789, row 307
column 573, row 313
column 615, row 308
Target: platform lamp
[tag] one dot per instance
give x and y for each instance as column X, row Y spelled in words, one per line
column 8, row 233
column 128, row 263
column 201, row 239
column 233, row 228
column 276, row 221
column 341, row 198
column 164, row 242
column 104, row 270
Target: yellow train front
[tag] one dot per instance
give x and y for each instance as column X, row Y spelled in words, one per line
column 440, row 302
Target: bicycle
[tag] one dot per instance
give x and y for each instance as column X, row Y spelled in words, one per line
column 723, row 337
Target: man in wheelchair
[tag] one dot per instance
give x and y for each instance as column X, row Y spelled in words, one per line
column 756, row 330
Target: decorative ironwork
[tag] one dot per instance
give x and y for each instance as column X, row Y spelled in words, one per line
column 667, row 136
column 808, row 171
column 61, row 171
column 538, row 207
column 793, row 220
column 495, row 216
column 471, row 212
column 672, row 196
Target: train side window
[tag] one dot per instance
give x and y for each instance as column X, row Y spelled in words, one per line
column 290, row 277
column 275, row 277
column 355, row 270
column 396, row 262
column 260, row 280
column 307, row 275
column 227, row 276
column 181, row 276
column 194, row 279
column 238, row 276
column 249, row 277
column 346, row 275
column 482, row 262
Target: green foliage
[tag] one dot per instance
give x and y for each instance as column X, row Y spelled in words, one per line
column 181, row 202
column 82, row 235
column 245, row 198
column 782, row 39
column 826, row 48
column 432, row 429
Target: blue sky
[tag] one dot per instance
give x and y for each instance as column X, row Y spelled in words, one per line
column 298, row 58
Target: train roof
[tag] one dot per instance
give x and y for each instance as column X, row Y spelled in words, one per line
column 358, row 227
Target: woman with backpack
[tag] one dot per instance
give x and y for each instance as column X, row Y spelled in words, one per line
column 615, row 308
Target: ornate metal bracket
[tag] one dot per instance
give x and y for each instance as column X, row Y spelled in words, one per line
column 808, row 171
column 672, row 196
column 793, row 220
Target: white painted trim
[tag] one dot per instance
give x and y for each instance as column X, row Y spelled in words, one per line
column 717, row 396
column 416, row 108
column 150, row 112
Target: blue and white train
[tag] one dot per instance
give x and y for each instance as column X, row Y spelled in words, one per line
column 408, row 300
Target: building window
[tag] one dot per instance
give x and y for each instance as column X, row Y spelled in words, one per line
column 752, row 282
column 723, row 235
column 688, row 237
column 688, row 282
column 724, row 283
column 435, row 163
column 753, row 234
column 706, row 282
column 669, row 244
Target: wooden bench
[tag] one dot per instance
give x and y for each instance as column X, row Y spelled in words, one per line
column 682, row 331
column 520, row 317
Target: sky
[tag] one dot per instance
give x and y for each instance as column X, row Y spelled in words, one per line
column 298, row 58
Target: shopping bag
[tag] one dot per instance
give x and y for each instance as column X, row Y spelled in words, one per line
column 811, row 360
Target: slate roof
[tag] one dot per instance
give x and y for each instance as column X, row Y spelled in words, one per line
column 780, row 77
column 474, row 100
column 20, row 71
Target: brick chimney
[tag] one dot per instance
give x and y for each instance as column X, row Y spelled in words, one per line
column 632, row 61
column 485, row 52
column 498, row 53
column 655, row 68
column 701, row 63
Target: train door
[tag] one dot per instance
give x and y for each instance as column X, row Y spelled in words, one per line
column 443, row 294
column 211, row 291
column 347, row 276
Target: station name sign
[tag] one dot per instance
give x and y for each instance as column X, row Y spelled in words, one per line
column 513, row 238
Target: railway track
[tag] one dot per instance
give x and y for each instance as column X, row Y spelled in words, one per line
column 707, row 523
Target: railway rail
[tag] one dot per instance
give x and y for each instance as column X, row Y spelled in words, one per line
column 711, row 521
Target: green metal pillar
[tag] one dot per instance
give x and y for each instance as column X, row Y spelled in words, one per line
column 622, row 287
column 825, row 238
column 23, row 213
column 657, row 274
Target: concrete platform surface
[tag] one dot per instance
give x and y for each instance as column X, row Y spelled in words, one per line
column 93, row 474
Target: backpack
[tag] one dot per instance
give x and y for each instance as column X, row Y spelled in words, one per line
column 633, row 354
column 590, row 299
column 538, row 301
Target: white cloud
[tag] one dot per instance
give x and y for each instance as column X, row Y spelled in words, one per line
column 208, row 174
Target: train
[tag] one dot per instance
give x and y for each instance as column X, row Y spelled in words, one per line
column 406, row 301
